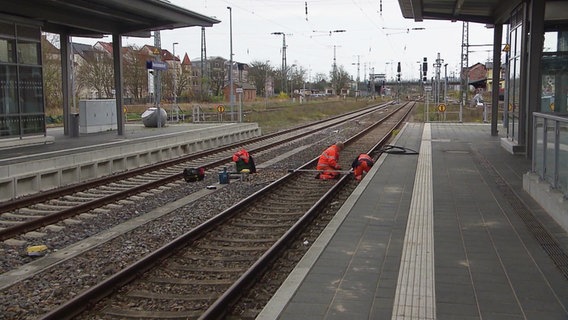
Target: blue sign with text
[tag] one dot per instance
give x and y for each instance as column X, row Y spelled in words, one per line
column 156, row 65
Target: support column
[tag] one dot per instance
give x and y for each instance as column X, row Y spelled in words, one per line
column 117, row 59
column 533, row 78
column 67, row 83
column 495, row 85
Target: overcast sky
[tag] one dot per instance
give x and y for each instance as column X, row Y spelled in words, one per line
column 376, row 39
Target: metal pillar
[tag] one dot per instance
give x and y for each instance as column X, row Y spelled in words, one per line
column 231, row 89
column 117, row 60
column 158, row 78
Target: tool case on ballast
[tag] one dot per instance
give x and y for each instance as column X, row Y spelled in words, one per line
column 193, row 174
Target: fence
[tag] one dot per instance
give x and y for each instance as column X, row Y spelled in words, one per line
column 550, row 149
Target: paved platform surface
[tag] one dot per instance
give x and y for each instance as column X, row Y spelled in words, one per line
column 132, row 132
column 445, row 234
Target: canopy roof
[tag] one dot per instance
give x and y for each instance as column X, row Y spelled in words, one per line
column 480, row 11
column 96, row 18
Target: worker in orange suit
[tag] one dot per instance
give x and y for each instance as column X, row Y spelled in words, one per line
column 243, row 160
column 328, row 162
column 362, row 164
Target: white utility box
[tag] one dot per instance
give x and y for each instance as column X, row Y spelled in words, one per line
column 97, row 115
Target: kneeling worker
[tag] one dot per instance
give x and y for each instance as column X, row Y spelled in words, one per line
column 328, row 162
column 362, row 164
column 243, row 160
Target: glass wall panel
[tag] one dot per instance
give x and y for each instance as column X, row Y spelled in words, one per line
column 21, row 85
column 31, row 90
column 8, row 91
column 7, row 50
column 9, row 125
column 554, row 66
column 539, row 146
column 563, row 159
column 514, row 80
column 550, row 151
column 33, row 123
column 28, row 52
column 514, row 98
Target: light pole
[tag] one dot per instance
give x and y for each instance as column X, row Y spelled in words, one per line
column 266, row 67
column 445, row 83
column 358, row 79
column 232, row 93
column 175, row 75
column 291, row 78
column 334, row 72
column 284, row 71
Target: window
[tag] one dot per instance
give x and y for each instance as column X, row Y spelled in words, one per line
column 7, row 51
column 21, row 85
column 28, row 52
column 554, row 66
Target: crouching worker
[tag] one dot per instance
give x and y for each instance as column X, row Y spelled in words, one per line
column 328, row 162
column 362, row 164
column 243, row 160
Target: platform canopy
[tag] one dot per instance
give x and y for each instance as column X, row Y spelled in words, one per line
column 96, row 18
column 480, row 11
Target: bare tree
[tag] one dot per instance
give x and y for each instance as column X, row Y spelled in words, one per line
column 320, row 81
column 339, row 79
column 218, row 75
column 135, row 74
column 183, row 87
column 297, row 78
column 52, row 72
column 97, row 73
column 258, row 74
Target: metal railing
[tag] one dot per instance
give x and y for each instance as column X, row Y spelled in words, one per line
column 550, row 149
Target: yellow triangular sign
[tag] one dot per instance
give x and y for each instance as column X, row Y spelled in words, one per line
column 507, row 48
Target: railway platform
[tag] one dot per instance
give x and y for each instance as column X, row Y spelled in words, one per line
column 66, row 160
column 448, row 233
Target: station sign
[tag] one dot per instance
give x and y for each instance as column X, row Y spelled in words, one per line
column 156, row 65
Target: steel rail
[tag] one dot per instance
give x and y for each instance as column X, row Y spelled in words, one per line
column 99, row 291
column 15, row 230
column 93, row 183
column 219, row 308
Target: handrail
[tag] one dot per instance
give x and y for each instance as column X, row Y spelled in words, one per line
column 550, row 149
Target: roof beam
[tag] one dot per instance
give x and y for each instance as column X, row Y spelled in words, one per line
column 103, row 17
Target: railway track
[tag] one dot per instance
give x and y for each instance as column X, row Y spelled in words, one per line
column 34, row 212
column 205, row 272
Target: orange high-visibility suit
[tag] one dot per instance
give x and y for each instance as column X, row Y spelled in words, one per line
column 328, row 162
column 361, row 165
column 241, row 155
column 243, row 160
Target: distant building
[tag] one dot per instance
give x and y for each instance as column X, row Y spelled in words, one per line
column 248, row 92
column 477, row 76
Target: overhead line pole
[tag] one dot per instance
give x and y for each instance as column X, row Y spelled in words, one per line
column 231, row 89
column 284, row 70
